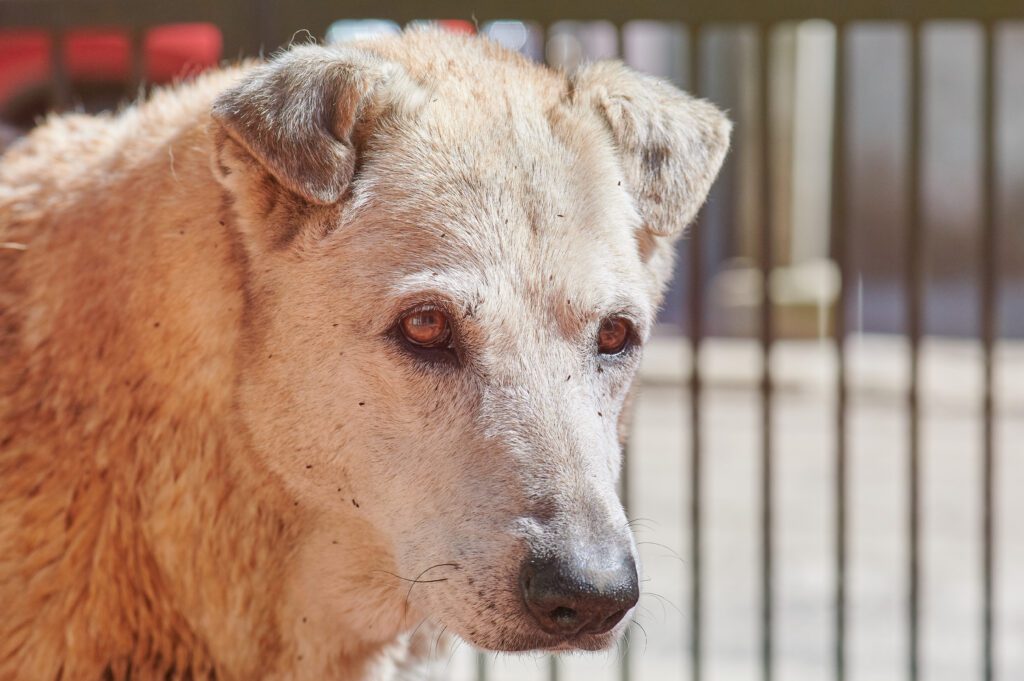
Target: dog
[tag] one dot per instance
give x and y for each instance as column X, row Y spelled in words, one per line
column 307, row 357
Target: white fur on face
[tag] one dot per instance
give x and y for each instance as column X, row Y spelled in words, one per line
column 528, row 240
column 529, row 210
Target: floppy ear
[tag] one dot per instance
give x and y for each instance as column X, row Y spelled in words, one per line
column 671, row 145
column 298, row 115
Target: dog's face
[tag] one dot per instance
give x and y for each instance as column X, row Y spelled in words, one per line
column 450, row 286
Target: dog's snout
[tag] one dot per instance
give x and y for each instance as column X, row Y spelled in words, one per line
column 571, row 595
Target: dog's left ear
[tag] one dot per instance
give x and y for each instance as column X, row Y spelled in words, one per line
column 671, row 145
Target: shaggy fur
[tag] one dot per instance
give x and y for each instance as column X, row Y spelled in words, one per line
column 217, row 459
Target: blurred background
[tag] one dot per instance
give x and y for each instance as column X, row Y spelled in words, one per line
column 827, row 461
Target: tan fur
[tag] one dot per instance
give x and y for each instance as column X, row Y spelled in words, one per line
column 209, row 463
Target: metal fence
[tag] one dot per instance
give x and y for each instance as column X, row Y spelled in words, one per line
column 249, row 28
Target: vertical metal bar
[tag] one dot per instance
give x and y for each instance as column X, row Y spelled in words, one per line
column 767, row 330
column 839, row 254
column 266, row 25
column 625, row 659
column 989, row 273
column 553, row 668
column 137, row 57
column 60, row 88
column 914, row 282
column 625, row 666
column 695, row 303
column 545, row 35
column 481, row 667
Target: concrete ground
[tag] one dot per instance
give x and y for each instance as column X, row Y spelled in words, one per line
column 804, row 516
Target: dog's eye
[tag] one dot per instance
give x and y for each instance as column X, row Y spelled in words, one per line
column 426, row 328
column 614, row 335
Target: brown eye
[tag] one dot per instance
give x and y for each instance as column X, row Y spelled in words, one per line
column 613, row 336
column 426, row 328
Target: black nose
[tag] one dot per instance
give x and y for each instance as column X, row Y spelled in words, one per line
column 570, row 595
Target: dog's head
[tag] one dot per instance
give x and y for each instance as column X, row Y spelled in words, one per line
column 455, row 258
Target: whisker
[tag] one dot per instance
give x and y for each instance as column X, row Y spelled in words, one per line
column 636, row 523
column 623, row 648
column 413, row 634
column 437, row 642
column 642, row 610
column 455, row 648
column 667, row 548
column 414, row 581
column 419, row 579
column 663, row 600
column 645, row 634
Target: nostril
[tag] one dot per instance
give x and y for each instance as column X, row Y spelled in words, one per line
column 563, row 614
column 608, row 623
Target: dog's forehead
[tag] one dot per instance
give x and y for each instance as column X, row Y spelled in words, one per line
column 523, row 191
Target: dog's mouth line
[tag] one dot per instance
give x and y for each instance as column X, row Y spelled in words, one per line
column 578, row 641
column 563, row 647
column 550, row 644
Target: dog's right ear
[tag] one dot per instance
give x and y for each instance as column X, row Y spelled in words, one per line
column 670, row 145
column 298, row 117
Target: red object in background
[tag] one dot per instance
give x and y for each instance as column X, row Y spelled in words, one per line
column 457, row 26
column 103, row 55
column 179, row 50
column 97, row 54
column 24, row 61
